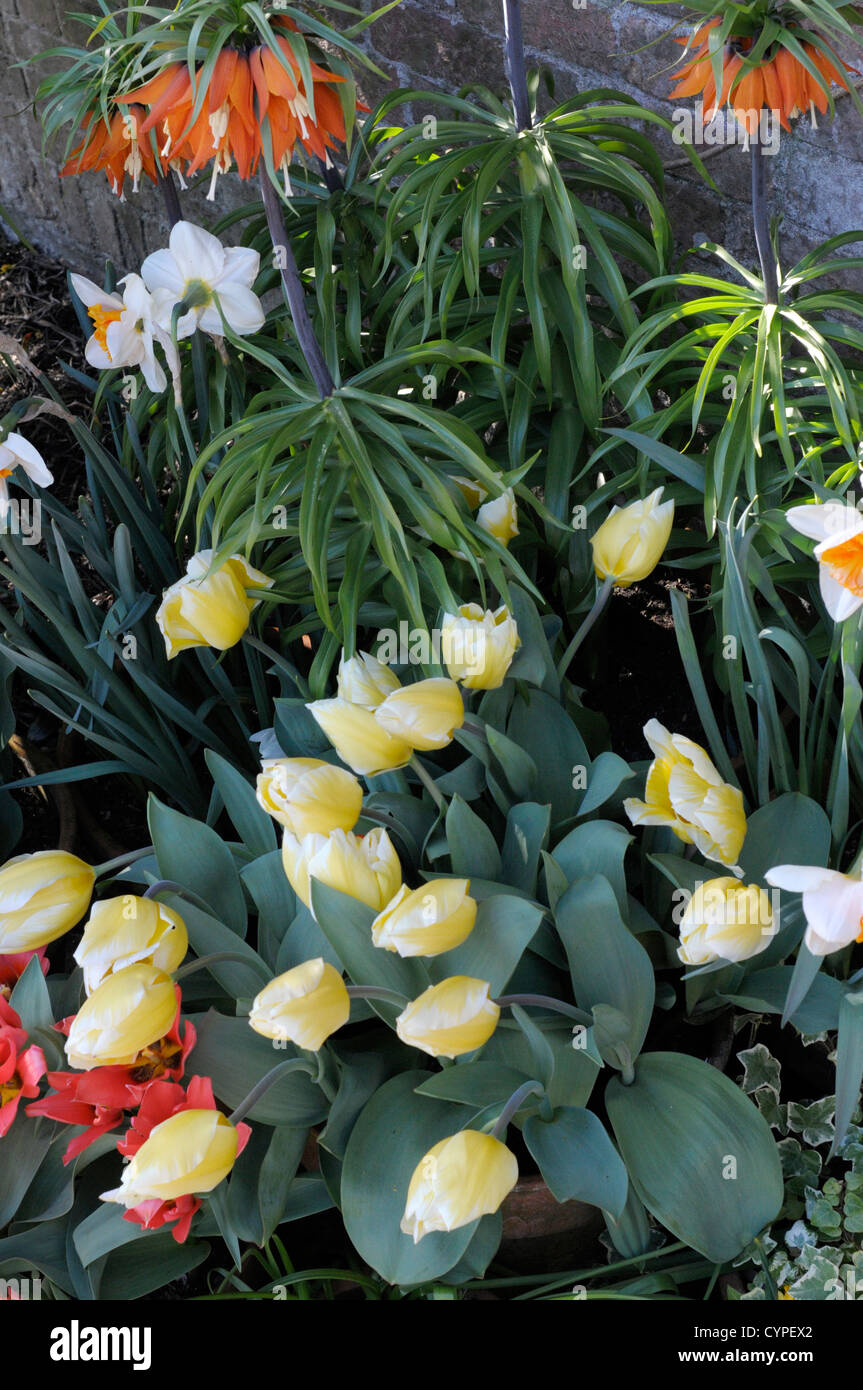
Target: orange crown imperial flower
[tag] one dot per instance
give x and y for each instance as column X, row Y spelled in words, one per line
column 781, row 83
column 118, row 148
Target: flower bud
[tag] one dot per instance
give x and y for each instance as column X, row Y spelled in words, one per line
column 426, row 921
column 725, row 920
column 42, row 895
column 424, row 714
column 126, row 1013
column 630, row 542
column 451, row 1018
column 364, row 867
column 304, row 1006
column 459, row 1180
column 191, row 1151
column 358, row 738
column 209, row 607
column 122, row 931
column 363, row 680
column 478, row 647
column 308, row 796
column 499, row 517
column 685, row 792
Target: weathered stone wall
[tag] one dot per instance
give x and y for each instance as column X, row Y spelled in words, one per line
column 815, row 179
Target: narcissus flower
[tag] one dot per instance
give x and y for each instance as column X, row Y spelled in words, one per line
column 499, row 517
column 42, row 895
column 209, row 607
column 459, row 1180
column 685, row 792
column 365, row 867
column 119, row 148
column 629, row 544
column 20, row 1067
column 451, row 1018
column 424, row 714
column 121, row 931
column 304, row 1006
column 18, row 452
column 97, row 1099
column 212, row 279
column 127, row 328
column 832, row 904
column 725, row 920
column 358, row 738
column 426, row 921
column 308, row 796
column 363, row 680
column 130, row 1010
column 838, row 530
column 478, row 647
column 181, row 1145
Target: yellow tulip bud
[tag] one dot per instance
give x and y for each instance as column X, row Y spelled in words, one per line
column 725, row 920
column 630, row 542
column 122, row 931
column 364, row 867
column 192, row 1151
column 459, row 1180
column 424, row 714
column 42, row 895
column 304, row 1006
column 472, row 492
column 358, row 738
column 426, row 921
column 684, row 791
column 209, row 607
column 126, row 1013
column 363, row 680
column 308, row 796
column 478, row 647
column 451, row 1018
column 499, row 517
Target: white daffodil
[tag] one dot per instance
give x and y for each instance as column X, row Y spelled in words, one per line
column 127, row 328
column 832, row 904
column 17, row 452
column 197, row 268
column 838, row 529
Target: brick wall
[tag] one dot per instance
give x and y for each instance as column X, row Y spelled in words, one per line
column 815, row 180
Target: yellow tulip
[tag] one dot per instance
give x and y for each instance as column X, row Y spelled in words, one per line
column 308, row 796
column 426, row 921
column 630, row 542
column 499, row 517
column 209, row 607
column 363, row 680
column 725, row 920
column 304, row 1006
column 42, row 895
column 358, row 738
column 478, row 647
column 424, row 714
column 472, row 492
column 451, row 1018
column 192, row 1151
column 459, row 1180
column 122, row 931
column 126, row 1013
column 364, row 867
column 684, row 791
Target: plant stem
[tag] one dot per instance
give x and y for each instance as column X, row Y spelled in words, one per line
column 428, row 782
column 121, row 861
column 530, row 1088
column 377, row 992
column 203, row 963
column 294, row 292
column 170, row 197
column 760, row 223
column 545, row 1001
column 251, row 1100
column 515, row 67
column 599, row 603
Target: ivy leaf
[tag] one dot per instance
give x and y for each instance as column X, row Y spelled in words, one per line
column 760, row 1069
column 814, row 1122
